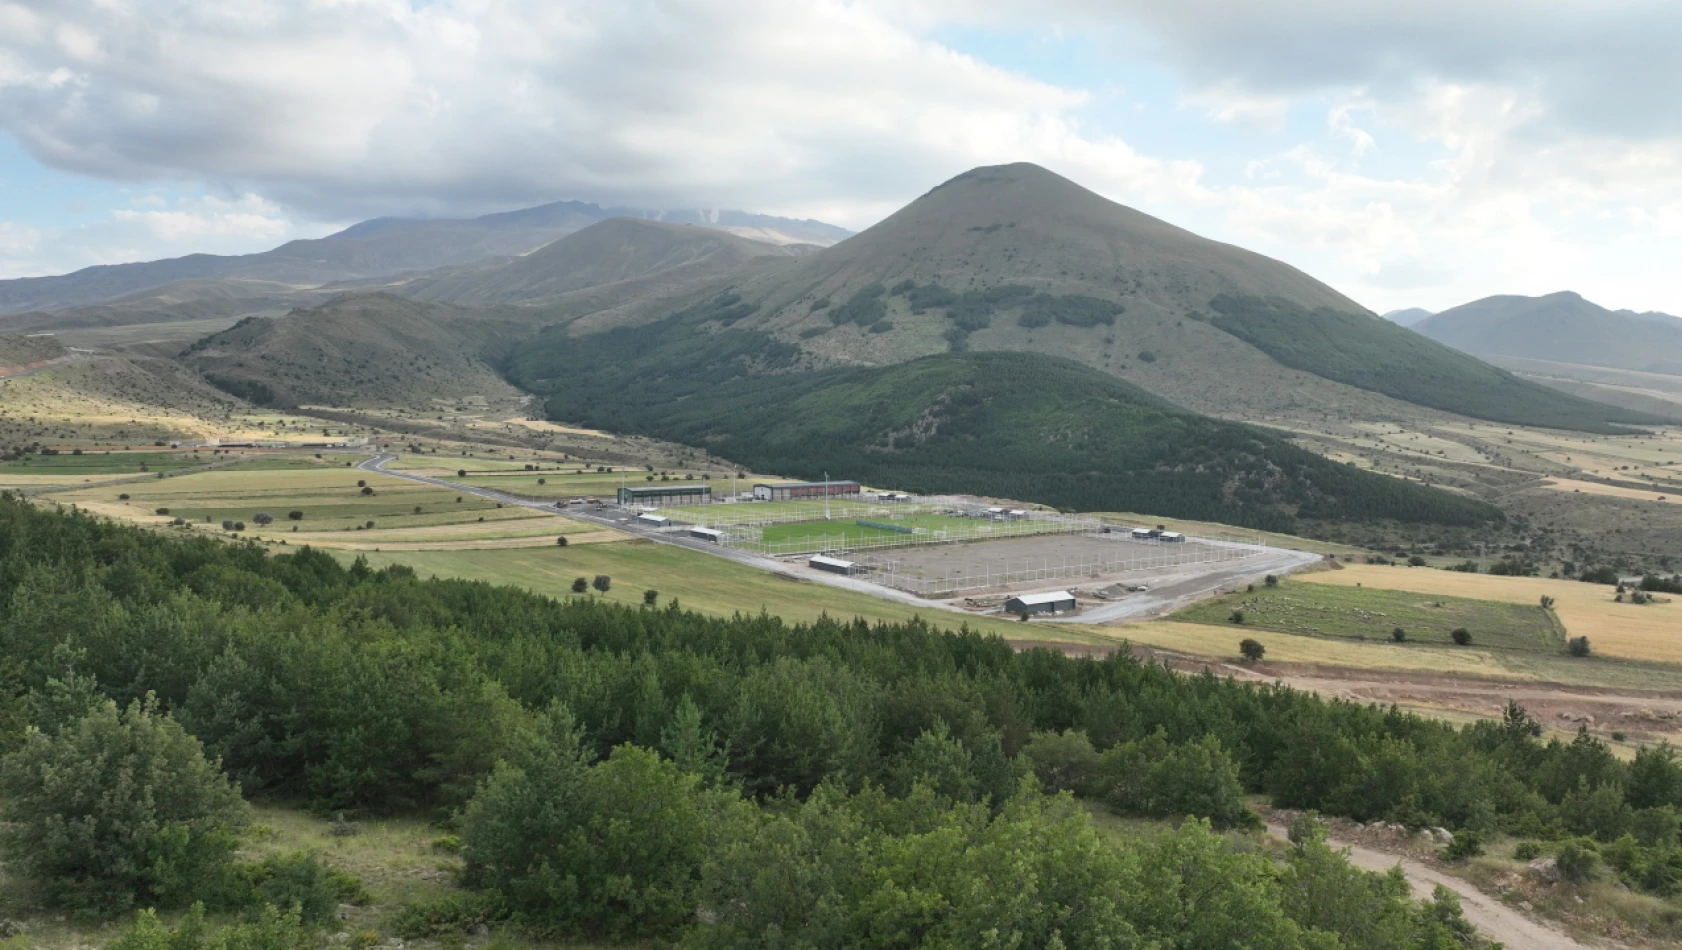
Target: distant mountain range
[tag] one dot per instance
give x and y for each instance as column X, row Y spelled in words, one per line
column 1408, row 317
column 1564, row 328
column 383, row 247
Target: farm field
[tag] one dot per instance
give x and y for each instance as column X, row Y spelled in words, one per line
column 1638, row 632
column 1372, row 613
column 550, row 484
column 102, row 462
column 700, row 582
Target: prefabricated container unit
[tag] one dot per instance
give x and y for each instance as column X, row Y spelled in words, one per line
column 1141, row 534
column 707, row 534
column 1016, row 514
column 654, row 521
column 833, row 565
column 1171, row 537
column 1056, row 601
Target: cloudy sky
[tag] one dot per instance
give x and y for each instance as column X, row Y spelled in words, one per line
column 1409, row 152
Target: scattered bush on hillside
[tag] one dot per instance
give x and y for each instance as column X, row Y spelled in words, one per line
column 1599, row 575
column 863, row 308
column 580, row 585
column 295, row 515
column 1399, row 635
column 1252, row 650
column 273, row 929
column 1577, row 646
column 1462, row 636
column 262, row 518
column 602, row 583
column 118, row 809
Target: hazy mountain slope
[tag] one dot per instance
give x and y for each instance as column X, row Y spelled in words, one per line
column 360, row 350
column 615, row 250
column 16, row 351
column 379, row 247
column 1561, row 327
column 1407, row 317
column 1015, row 257
column 198, row 299
column 1016, row 425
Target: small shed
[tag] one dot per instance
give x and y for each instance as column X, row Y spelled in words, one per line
column 1016, row 514
column 1056, row 601
column 1171, row 537
column 652, row 520
column 707, row 534
column 1141, row 534
column 833, row 565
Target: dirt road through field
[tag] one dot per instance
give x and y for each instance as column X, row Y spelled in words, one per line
column 1493, row 919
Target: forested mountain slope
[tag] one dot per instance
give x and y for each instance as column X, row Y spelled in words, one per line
column 1014, row 257
column 1015, row 425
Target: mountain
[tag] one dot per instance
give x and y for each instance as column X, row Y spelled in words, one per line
column 1560, row 327
column 609, row 252
column 1408, row 317
column 382, row 247
column 1013, row 425
column 360, row 351
column 1666, row 319
column 1014, row 257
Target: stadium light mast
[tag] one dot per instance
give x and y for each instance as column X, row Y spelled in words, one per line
column 826, row 495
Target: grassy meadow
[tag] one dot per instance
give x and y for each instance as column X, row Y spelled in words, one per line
column 1371, row 613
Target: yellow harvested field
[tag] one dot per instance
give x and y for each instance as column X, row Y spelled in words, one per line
column 1637, row 632
column 11, row 480
column 1612, row 491
column 542, row 426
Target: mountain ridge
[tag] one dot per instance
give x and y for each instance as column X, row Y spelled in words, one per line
column 1560, row 327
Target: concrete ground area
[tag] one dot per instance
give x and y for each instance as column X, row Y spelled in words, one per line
column 970, row 566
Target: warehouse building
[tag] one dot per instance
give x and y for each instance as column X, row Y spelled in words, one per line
column 833, row 565
column 650, row 520
column 794, row 491
column 1056, row 602
column 658, row 495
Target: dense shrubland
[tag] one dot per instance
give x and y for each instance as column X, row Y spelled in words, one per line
column 746, row 782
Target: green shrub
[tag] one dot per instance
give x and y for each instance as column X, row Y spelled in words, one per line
column 118, row 809
column 613, row 848
column 302, row 883
column 1527, row 851
column 450, row 914
column 1577, row 646
column 1462, row 636
column 1399, row 635
column 1578, row 860
column 1252, row 650
column 1466, row 844
column 1237, row 616
column 272, row 930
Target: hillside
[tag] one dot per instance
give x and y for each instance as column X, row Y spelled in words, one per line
column 358, row 351
column 1407, row 317
column 1561, row 327
column 21, row 351
column 381, row 247
column 612, row 251
column 1015, row 425
column 1017, row 258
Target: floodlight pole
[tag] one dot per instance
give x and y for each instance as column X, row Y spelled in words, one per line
column 826, row 495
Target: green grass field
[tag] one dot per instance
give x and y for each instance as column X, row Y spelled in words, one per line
column 1365, row 613
column 700, row 581
column 105, row 463
column 554, row 484
column 838, row 532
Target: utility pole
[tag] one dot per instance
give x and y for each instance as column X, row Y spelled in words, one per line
column 826, row 495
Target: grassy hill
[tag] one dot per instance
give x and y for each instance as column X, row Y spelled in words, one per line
column 360, row 350
column 1014, row 257
column 1016, row 425
column 1561, row 327
column 611, row 252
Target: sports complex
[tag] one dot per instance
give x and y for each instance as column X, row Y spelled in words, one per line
column 936, row 546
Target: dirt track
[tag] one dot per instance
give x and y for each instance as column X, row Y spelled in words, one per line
column 1493, row 919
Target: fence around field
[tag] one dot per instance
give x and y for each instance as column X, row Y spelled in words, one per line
column 1130, row 556
column 855, row 525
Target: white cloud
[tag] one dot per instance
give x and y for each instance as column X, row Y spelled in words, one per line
column 1466, row 148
